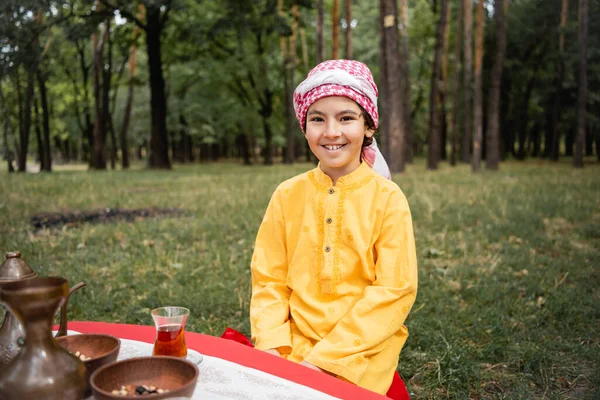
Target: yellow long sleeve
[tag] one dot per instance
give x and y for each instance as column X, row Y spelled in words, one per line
column 269, row 308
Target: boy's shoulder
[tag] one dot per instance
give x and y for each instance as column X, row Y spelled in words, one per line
column 387, row 185
column 389, row 190
column 294, row 182
column 384, row 182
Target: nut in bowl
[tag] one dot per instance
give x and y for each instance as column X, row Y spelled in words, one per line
column 95, row 350
column 143, row 377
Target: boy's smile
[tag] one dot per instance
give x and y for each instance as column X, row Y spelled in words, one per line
column 335, row 130
column 333, row 147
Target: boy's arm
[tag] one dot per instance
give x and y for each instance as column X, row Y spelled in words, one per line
column 381, row 311
column 269, row 307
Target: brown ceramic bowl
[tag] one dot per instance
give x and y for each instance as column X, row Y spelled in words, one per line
column 102, row 350
column 176, row 375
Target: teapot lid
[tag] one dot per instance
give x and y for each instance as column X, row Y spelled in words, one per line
column 15, row 268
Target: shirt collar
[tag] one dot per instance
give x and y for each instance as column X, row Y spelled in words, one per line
column 361, row 173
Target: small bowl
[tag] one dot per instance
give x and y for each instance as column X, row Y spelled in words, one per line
column 176, row 375
column 101, row 349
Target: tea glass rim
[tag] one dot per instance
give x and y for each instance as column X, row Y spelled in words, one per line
column 184, row 312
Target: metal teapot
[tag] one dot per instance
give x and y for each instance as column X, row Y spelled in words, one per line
column 15, row 269
column 42, row 369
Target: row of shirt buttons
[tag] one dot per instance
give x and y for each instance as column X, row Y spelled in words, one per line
column 329, row 221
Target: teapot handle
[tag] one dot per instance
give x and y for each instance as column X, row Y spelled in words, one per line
column 62, row 329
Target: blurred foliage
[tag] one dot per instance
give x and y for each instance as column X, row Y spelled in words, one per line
column 212, row 52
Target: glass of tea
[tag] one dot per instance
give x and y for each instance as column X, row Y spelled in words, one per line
column 170, row 331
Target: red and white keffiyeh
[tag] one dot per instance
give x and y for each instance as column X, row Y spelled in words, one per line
column 347, row 78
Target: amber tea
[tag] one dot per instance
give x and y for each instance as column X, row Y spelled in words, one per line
column 170, row 341
column 170, row 331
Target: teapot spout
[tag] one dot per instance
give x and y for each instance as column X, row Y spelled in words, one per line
column 62, row 329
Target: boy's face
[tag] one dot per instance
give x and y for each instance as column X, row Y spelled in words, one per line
column 335, row 129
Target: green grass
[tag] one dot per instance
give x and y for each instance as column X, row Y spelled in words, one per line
column 509, row 277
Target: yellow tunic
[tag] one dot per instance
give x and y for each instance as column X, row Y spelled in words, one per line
column 334, row 275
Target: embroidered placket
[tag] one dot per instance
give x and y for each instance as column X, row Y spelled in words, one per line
column 328, row 250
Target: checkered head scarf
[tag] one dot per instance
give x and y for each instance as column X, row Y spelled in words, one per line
column 347, row 78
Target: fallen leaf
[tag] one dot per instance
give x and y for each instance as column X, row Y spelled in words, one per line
column 455, row 285
column 522, row 273
column 540, row 301
column 514, row 239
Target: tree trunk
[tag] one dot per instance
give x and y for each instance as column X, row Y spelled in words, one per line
column 560, row 76
column 589, row 142
column 549, row 120
column 478, row 114
column 493, row 112
column 524, row 119
column 434, row 119
column 175, row 143
column 244, row 147
column 159, row 141
column 455, row 87
column 289, row 63
column 38, row 134
column 383, row 91
column 127, row 113
column 292, row 68
column 189, row 147
column 34, row 51
column 506, row 127
column 24, row 134
column 570, row 140
column 468, row 79
column 348, row 41
column 536, row 139
column 21, row 114
column 266, row 100
column 99, row 153
column 391, row 57
column 335, row 30
column 113, row 142
column 287, row 95
column 107, row 74
column 89, row 128
column 268, row 156
column 597, row 141
column 582, row 96
column 46, row 164
column 304, row 48
column 320, row 42
column 405, row 83
column 443, row 96
column 130, row 94
column 443, row 125
column 7, row 152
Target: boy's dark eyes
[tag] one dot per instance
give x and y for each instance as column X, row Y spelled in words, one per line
column 343, row 119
